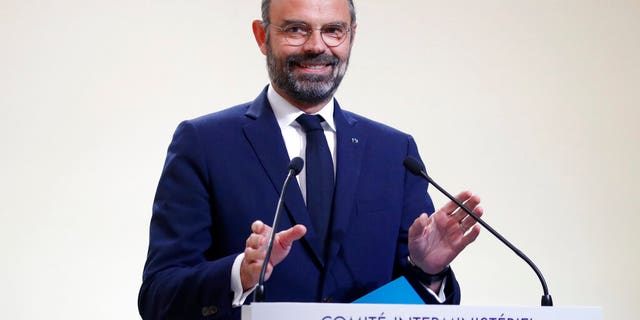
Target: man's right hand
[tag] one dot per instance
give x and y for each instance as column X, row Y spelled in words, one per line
column 256, row 249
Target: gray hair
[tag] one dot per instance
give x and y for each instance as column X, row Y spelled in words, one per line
column 266, row 4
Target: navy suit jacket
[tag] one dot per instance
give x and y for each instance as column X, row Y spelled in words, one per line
column 225, row 170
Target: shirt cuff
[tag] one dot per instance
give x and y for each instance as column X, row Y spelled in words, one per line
column 239, row 296
column 441, row 297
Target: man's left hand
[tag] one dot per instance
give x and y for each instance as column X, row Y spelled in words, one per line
column 434, row 241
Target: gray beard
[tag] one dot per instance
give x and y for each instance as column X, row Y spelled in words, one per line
column 306, row 89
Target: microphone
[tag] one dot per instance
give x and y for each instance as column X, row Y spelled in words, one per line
column 295, row 166
column 416, row 167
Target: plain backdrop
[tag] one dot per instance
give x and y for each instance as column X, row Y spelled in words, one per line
column 531, row 104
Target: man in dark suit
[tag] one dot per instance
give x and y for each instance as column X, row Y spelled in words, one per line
column 224, row 172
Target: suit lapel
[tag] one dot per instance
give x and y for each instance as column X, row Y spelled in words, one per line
column 350, row 146
column 263, row 133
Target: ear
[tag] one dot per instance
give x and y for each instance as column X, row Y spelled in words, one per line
column 353, row 33
column 260, row 34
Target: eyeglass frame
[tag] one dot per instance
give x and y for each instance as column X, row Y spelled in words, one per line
column 309, row 32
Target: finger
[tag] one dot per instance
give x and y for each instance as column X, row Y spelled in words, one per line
column 256, row 241
column 457, row 215
column 469, row 221
column 257, row 227
column 421, row 221
column 470, row 237
column 451, row 206
column 470, row 204
column 418, row 226
column 286, row 238
column 252, row 256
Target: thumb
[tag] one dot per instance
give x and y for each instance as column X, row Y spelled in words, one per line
column 287, row 237
column 418, row 226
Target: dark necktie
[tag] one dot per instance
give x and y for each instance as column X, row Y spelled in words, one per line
column 319, row 172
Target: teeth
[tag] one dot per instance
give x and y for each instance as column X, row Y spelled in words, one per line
column 313, row 66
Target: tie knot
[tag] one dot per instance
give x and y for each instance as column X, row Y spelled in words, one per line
column 310, row 122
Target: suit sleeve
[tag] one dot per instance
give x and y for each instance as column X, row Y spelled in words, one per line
column 178, row 281
column 417, row 201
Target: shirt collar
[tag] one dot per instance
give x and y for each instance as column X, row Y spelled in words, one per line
column 286, row 113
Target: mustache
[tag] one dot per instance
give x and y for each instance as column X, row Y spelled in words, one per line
column 313, row 59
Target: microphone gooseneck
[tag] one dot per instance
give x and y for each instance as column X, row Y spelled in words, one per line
column 295, row 166
column 417, row 168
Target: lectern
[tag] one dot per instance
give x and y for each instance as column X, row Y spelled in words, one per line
column 398, row 301
column 339, row 311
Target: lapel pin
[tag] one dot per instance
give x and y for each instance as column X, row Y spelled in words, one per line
column 354, row 140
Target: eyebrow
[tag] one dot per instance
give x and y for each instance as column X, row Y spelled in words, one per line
column 287, row 22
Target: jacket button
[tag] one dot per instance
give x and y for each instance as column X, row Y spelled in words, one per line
column 210, row 310
column 327, row 299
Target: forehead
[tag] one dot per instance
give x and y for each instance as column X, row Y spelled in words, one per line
column 310, row 11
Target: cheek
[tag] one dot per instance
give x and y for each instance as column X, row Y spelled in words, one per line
column 280, row 54
column 342, row 52
column 282, row 49
column 292, row 51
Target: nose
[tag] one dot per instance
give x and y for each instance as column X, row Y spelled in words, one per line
column 315, row 44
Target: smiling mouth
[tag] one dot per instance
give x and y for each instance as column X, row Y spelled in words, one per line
column 313, row 66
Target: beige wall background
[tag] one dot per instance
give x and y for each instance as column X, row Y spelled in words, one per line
column 531, row 104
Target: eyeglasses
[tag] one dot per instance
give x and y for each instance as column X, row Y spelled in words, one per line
column 297, row 34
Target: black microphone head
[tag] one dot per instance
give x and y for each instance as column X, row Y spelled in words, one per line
column 413, row 165
column 296, row 165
